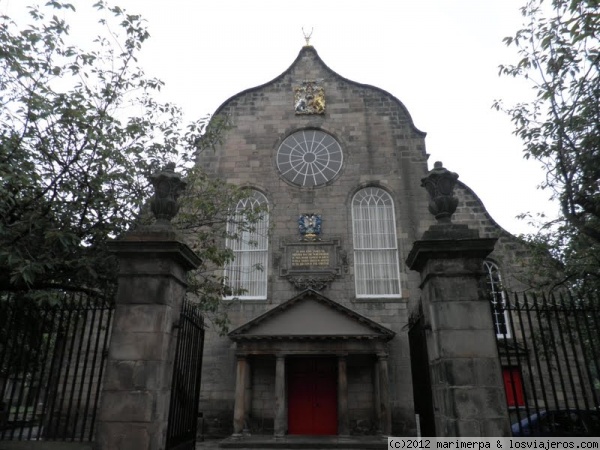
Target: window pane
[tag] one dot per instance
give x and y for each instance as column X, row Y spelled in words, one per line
column 497, row 299
column 376, row 269
column 248, row 270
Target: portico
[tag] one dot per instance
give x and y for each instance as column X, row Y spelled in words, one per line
column 315, row 343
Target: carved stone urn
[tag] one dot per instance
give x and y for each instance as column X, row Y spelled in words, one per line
column 168, row 185
column 440, row 183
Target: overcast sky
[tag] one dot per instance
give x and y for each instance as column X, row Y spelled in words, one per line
column 439, row 57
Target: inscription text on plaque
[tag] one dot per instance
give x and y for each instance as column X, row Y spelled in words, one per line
column 311, row 265
column 310, row 258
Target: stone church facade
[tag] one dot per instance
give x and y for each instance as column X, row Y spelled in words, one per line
column 319, row 341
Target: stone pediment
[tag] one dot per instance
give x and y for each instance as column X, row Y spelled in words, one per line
column 311, row 315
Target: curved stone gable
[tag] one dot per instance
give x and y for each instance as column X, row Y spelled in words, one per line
column 308, row 65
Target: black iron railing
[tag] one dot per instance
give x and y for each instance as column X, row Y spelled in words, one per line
column 52, row 358
column 550, row 353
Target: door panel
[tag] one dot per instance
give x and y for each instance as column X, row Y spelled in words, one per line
column 312, row 396
column 300, row 399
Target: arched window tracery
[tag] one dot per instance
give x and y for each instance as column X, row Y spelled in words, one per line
column 248, row 270
column 376, row 268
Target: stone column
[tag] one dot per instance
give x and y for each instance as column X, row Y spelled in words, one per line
column 343, row 420
column 377, row 397
column 384, row 394
column 137, row 385
column 248, row 396
column 467, row 387
column 239, row 409
column 280, row 400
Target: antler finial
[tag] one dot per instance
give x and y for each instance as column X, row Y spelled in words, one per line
column 307, row 36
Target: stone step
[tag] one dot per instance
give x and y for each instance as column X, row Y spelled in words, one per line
column 297, row 442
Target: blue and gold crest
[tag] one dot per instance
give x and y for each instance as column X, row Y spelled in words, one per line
column 309, row 226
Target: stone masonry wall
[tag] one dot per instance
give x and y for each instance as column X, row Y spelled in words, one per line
column 360, row 396
column 511, row 254
column 263, row 395
column 382, row 147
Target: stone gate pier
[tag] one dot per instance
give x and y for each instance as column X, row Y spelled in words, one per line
column 466, row 378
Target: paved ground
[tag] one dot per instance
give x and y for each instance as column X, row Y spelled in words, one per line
column 296, row 442
column 248, row 443
column 208, row 444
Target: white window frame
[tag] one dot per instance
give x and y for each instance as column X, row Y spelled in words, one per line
column 497, row 296
column 375, row 245
column 250, row 251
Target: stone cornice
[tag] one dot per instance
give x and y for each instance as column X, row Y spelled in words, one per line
column 151, row 243
column 424, row 250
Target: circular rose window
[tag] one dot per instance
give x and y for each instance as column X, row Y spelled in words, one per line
column 309, row 158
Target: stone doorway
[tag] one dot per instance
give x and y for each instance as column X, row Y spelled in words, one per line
column 312, row 396
column 310, row 327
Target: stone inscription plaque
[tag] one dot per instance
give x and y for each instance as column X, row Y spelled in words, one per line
column 312, row 258
column 310, row 265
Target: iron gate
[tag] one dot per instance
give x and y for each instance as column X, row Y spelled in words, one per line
column 419, row 364
column 185, row 390
column 52, row 358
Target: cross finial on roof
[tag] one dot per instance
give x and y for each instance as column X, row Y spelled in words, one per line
column 307, row 36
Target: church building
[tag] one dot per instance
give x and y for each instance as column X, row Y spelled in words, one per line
column 319, row 341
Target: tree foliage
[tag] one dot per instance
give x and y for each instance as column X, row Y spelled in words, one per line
column 206, row 219
column 80, row 132
column 73, row 165
column 559, row 53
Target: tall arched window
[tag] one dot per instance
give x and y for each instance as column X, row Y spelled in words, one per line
column 498, row 299
column 248, row 270
column 376, row 265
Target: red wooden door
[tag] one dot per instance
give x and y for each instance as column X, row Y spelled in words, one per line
column 312, row 396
